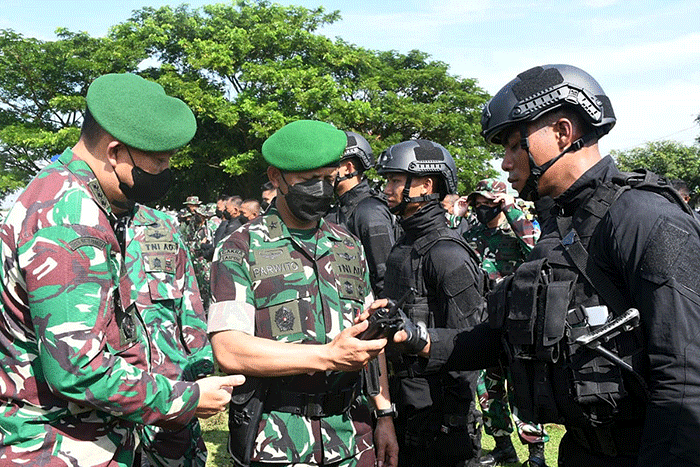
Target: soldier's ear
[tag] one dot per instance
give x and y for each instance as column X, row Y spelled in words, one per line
column 428, row 186
column 112, row 151
column 564, row 131
column 274, row 175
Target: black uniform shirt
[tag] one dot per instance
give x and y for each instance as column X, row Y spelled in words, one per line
column 650, row 249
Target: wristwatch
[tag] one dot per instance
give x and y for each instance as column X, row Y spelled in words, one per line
column 390, row 412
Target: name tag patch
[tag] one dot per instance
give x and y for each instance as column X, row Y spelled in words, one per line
column 273, row 262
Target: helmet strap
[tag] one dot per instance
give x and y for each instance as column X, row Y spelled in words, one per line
column 346, row 177
column 530, row 190
column 407, row 198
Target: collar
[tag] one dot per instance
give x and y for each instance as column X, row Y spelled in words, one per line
column 603, row 171
column 84, row 174
column 349, row 200
column 428, row 217
column 277, row 229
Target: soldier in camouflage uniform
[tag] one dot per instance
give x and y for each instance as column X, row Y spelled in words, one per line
column 503, row 238
column 164, row 288
column 79, row 375
column 199, row 237
column 290, row 278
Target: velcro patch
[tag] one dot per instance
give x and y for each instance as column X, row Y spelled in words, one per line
column 665, row 244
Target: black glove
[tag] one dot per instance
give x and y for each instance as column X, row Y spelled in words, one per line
column 417, row 336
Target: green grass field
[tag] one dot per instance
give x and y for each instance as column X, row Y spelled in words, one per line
column 216, row 431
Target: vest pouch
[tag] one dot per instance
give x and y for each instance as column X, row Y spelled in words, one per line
column 497, row 303
column 534, row 397
column 598, row 383
column 526, row 288
column 418, row 311
column 553, row 321
column 535, row 325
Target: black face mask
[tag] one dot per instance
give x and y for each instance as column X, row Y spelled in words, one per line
column 147, row 187
column 309, row 201
column 264, row 205
column 219, row 213
column 486, row 214
column 242, row 219
column 227, row 215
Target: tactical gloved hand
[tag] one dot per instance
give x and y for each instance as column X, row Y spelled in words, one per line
column 417, row 336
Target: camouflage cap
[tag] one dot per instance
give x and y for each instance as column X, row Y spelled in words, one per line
column 211, row 209
column 304, row 145
column 139, row 113
column 192, row 200
column 487, row 188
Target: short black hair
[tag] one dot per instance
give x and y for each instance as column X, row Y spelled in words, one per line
column 267, row 186
column 680, row 186
column 90, row 131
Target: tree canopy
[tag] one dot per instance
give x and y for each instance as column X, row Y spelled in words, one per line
column 245, row 68
column 666, row 158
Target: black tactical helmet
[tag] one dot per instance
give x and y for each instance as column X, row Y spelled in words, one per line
column 420, row 157
column 360, row 148
column 544, row 88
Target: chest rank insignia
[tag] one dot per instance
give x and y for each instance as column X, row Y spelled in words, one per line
column 168, row 263
column 157, row 263
column 349, row 288
column 346, row 256
column 271, row 254
column 284, row 319
column 156, row 234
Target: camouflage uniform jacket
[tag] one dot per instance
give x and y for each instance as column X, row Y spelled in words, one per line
column 163, row 287
column 274, row 284
column 504, row 248
column 76, row 374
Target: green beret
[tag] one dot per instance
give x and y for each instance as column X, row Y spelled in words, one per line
column 138, row 113
column 304, row 145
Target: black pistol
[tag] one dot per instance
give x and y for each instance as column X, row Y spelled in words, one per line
column 386, row 321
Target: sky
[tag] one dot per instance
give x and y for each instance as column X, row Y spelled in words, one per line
column 644, row 54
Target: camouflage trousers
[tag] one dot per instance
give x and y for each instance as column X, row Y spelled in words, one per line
column 202, row 272
column 495, row 397
column 366, row 458
column 184, row 448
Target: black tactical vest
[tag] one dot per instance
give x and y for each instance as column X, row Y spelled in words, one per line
column 541, row 309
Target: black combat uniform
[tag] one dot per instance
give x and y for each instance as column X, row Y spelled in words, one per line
column 438, row 424
column 648, row 248
column 366, row 215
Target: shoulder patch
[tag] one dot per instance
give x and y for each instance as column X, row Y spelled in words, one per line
column 87, row 241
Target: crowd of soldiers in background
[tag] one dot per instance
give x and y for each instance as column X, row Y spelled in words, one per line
column 204, row 225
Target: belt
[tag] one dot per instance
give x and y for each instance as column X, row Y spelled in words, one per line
column 315, row 405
